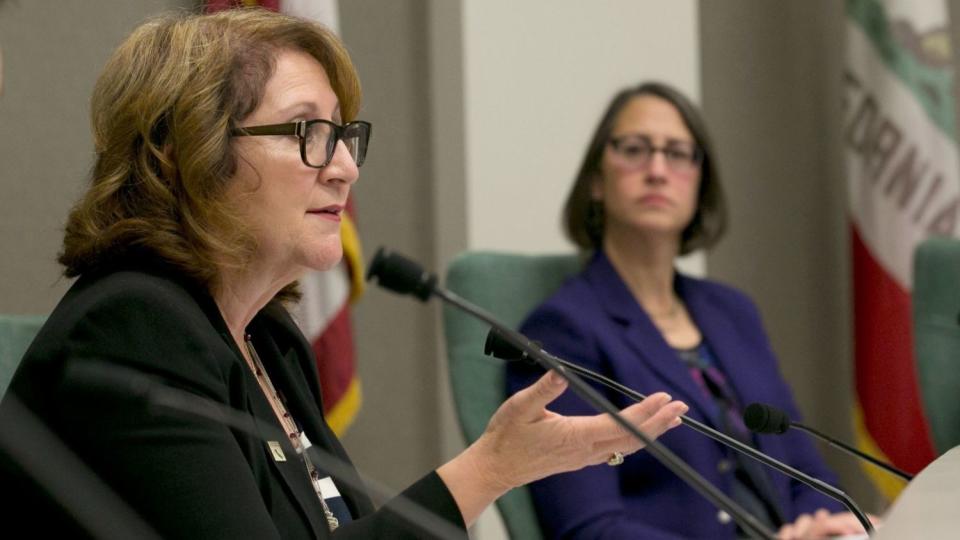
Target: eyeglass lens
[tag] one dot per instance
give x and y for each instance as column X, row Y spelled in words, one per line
column 321, row 142
column 638, row 151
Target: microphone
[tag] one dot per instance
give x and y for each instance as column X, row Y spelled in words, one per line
column 401, row 275
column 404, row 276
column 762, row 418
column 107, row 377
column 499, row 347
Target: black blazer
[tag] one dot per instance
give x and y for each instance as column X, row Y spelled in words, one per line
column 188, row 476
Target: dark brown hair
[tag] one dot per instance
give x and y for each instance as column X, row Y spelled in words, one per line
column 583, row 217
column 162, row 111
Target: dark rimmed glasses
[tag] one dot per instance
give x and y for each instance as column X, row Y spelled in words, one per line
column 637, row 151
column 318, row 138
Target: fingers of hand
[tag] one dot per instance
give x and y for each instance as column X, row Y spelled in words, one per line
column 607, row 436
column 655, row 417
column 837, row 524
column 602, row 427
column 528, row 404
column 667, row 417
column 796, row 530
column 647, row 409
column 821, row 524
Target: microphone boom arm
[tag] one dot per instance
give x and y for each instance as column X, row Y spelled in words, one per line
column 846, row 448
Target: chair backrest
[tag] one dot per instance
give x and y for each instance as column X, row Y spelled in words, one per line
column 16, row 333
column 936, row 327
column 508, row 286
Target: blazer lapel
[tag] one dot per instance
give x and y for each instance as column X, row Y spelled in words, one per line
column 733, row 361
column 283, row 458
column 644, row 339
column 296, row 374
column 722, row 336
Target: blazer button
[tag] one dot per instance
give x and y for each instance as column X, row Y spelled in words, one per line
column 724, row 465
column 723, row 517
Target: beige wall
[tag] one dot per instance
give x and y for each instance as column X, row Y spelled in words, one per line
column 538, row 75
column 53, row 51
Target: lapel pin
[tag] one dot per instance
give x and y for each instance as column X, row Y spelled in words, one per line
column 276, row 451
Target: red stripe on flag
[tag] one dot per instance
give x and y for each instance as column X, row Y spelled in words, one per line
column 335, row 352
column 886, row 378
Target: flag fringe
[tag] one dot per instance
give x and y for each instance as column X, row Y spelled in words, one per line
column 888, row 486
column 353, row 254
column 344, row 411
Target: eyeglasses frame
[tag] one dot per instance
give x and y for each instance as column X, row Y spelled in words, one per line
column 299, row 128
column 696, row 158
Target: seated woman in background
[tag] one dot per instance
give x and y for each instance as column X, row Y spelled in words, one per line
column 648, row 191
column 226, row 146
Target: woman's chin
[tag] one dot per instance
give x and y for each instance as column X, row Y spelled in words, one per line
column 324, row 257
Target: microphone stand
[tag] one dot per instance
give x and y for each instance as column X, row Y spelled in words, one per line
column 846, row 448
column 425, row 285
column 722, row 438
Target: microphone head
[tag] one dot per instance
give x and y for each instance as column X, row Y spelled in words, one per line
column 498, row 347
column 761, row 418
column 401, row 275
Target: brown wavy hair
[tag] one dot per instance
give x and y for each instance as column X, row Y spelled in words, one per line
column 583, row 218
column 162, row 110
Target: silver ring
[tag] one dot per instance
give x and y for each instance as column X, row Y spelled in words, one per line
column 615, row 459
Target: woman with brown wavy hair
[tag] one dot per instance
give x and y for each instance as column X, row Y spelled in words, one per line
column 226, row 146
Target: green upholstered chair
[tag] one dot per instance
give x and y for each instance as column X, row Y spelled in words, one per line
column 16, row 333
column 936, row 326
column 508, row 286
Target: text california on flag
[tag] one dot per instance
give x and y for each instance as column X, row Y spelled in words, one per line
column 902, row 175
column 902, row 160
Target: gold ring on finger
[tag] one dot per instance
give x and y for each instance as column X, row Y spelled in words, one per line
column 615, row 459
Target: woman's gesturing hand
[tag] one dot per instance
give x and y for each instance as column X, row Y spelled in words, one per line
column 525, row 442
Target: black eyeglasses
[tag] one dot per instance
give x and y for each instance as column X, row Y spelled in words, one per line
column 318, row 138
column 638, row 151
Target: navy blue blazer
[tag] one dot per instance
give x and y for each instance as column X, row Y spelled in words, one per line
column 594, row 320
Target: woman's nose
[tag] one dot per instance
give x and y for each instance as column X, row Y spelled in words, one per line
column 342, row 166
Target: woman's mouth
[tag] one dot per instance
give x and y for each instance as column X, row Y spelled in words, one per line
column 331, row 212
column 658, row 200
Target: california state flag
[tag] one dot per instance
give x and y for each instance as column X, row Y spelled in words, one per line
column 903, row 186
column 324, row 311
